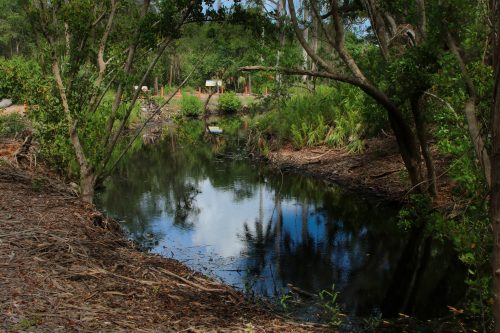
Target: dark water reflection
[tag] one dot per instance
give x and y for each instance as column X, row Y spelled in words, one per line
column 261, row 231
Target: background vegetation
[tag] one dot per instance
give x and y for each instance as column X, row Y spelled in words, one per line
column 424, row 70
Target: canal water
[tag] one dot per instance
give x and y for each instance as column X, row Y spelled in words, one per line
column 277, row 235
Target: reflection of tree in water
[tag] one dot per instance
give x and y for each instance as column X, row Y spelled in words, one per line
column 335, row 238
column 156, row 180
column 260, row 241
column 166, row 178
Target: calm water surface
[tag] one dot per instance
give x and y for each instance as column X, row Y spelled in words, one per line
column 267, row 233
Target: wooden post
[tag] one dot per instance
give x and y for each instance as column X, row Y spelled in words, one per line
column 162, row 91
column 266, row 92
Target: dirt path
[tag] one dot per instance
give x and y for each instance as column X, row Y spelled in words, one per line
column 64, row 267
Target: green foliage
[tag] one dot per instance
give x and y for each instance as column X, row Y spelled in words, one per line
column 468, row 233
column 17, row 76
column 331, row 306
column 284, row 300
column 14, row 29
column 229, row 103
column 332, row 115
column 191, row 106
column 417, row 213
column 190, row 131
column 11, row 125
column 231, row 125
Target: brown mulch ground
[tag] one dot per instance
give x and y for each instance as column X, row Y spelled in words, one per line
column 65, row 268
column 377, row 170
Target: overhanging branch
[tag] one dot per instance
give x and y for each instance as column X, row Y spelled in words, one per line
column 370, row 90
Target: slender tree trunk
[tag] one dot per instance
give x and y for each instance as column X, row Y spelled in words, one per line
column 495, row 170
column 410, row 152
column 281, row 12
column 305, row 56
column 422, row 25
column 495, row 204
column 171, row 72
column 87, row 174
column 423, row 135
column 470, row 113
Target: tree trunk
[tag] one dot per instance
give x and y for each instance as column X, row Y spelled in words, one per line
column 156, row 85
column 470, row 112
column 379, row 27
column 477, row 139
column 281, row 13
column 87, row 174
column 409, row 151
column 305, row 56
column 495, row 170
column 87, row 186
column 171, row 72
column 495, row 203
column 423, row 134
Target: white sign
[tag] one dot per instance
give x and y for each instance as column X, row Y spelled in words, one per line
column 213, row 83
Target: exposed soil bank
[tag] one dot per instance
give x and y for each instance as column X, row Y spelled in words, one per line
column 378, row 170
column 64, row 267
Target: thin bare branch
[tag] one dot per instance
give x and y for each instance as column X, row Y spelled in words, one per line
column 153, row 114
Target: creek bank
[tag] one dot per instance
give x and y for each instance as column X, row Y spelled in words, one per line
column 376, row 171
column 67, row 267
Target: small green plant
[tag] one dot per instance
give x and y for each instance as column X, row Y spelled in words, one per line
column 36, row 184
column 284, row 299
column 331, row 306
column 27, row 323
column 229, row 103
column 191, row 106
column 372, row 323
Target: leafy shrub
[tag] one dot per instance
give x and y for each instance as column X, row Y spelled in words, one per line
column 332, row 116
column 191, row 106
column 16, row 77
column 11, row 125
column 229, row 103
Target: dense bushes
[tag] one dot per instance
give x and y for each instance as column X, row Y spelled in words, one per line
column 229, row 103
column 332, row 115
column 17, row 77
column 191, row 106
